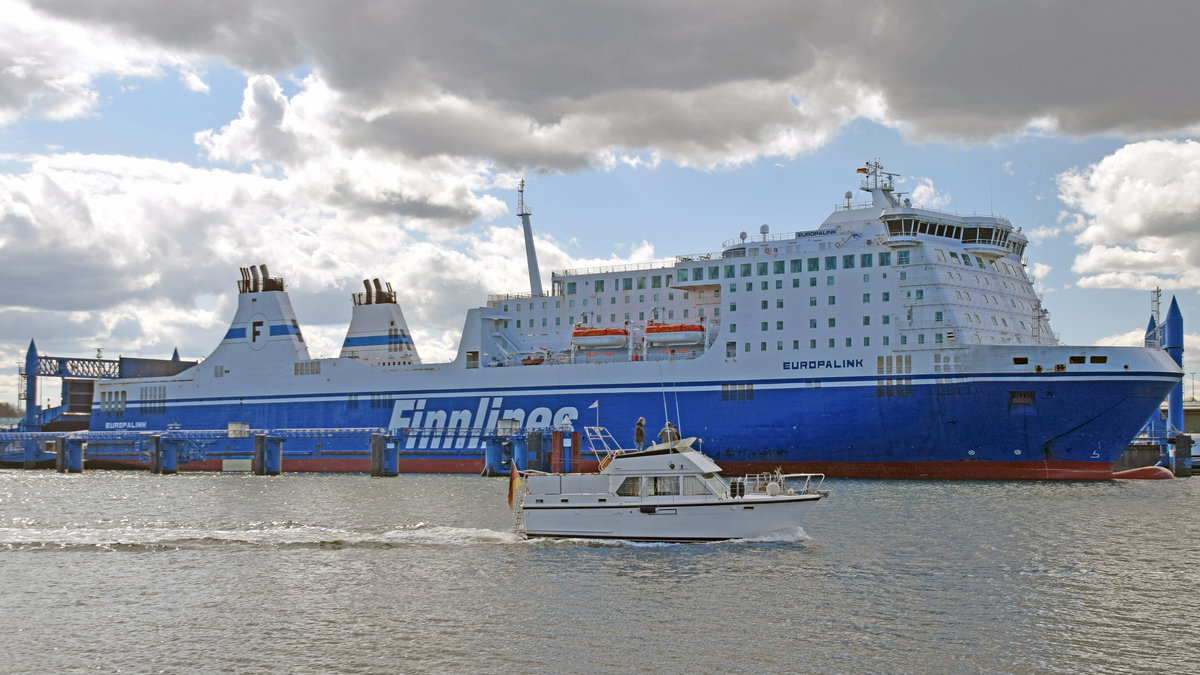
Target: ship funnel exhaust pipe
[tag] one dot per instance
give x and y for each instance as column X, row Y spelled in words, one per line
column 367, row 298
column 255, row 283
column 379, row 296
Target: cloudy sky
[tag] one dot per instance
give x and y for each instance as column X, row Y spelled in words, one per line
column 150, row 148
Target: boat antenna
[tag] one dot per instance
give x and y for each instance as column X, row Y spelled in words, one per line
column 523, row 211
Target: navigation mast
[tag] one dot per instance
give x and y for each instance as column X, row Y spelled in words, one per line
column 535, row 278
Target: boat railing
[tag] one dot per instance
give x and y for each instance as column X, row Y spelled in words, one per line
column 761, row 484
column 602, row 444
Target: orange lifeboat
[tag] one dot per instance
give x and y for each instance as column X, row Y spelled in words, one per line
column 533, row 360
column 586, row 337
column 674, row 333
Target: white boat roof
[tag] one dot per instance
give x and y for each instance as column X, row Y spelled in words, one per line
column 663, row 458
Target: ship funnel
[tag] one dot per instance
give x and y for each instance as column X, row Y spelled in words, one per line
column 367, row 298
column 265, row 276
column 379, row 296
column 255, row 283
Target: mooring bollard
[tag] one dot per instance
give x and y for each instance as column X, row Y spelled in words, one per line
column 155, row 453
column 556, row 451
column 170, row 457
column 385, row 457
column 1183, row 456
column 74, row 455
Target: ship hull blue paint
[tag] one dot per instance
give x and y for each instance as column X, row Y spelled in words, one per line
column 869, row 428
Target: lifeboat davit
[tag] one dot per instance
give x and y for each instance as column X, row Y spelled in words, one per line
column 674, row 333
column 586, row 337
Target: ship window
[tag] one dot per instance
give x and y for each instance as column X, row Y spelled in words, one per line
column 683, row 274
column 779, row 303
column 744, row 270
column 656, row 281
column 627, row 284
column 829, row 280
column 812, row 323
column 902, row 257
column 749, row 285
column 797, row 266
column 812, row 281
column 762, row 269
column 663, row 485
column 795, row 344
column 795, row 282
column 832, row 343
column 730, row 349
column 833, row 299
column 886, row 340
column 887, row 319
column 937, row 337
column 885, row 258
column 940, row 256
column 641, row 316
column 763, row 325
column 812, row 344
column 831, row 262
column 762, row 346
column 866, row 320
column 733, row 306
column 778, row 325
column 937, row 316
column 714, row 272
column 866, row 298
column 747, row 347
column 865, row 259
column 920, row 338
column 692, row 485
column 903, row 339
column 848, row 261
column 966, row 259
column 832, row 322
column 570, row 288
column 1076, row 359
column 732, row 328
column 1099, row 359
column 887, row 296
column 730, row 271
column 867, row 342
column 599, row 286
column 779, row 345
column 641, row 283
column 628, row 487
column 697, row 274
column 814, row 264
column 778, row 284
column 1020, row 360
column 777, row 267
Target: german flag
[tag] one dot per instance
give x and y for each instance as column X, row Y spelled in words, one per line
column 514, row 483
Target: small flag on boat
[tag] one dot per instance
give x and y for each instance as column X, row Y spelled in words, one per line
column 514, row 484
column 595, row 404
column 862, row 170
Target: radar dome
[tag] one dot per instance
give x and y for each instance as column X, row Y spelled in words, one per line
column 849, row 194
column 764, row 229
column 743, row 236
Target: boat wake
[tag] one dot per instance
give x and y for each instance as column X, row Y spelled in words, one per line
column 282, row 535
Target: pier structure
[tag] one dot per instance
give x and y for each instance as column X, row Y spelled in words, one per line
column 379, row 452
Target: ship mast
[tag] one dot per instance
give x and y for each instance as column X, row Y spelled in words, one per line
column 535, row 278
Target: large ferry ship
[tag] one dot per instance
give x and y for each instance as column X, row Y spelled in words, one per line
column 889, row 341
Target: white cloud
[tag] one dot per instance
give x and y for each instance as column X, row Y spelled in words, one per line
column 1135, row 213
column 924, row 194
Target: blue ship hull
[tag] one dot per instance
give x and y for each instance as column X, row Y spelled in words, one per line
column 1071, row 426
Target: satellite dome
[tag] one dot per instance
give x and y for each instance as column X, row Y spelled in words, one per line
column 764, row 229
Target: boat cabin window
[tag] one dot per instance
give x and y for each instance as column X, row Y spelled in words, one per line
column 629, row 487
column 692, row 485
column 663, row 485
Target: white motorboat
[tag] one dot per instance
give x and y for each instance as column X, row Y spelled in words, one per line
column 667, row 492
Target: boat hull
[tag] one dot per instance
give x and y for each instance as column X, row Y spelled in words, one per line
column 676, row 521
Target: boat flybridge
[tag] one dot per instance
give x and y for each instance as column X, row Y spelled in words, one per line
column 666, row 492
